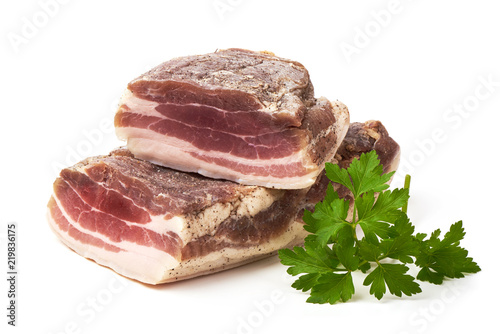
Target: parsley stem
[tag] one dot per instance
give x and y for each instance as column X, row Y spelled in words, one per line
column 354, row 222
column 354, row 214
column 406, row 186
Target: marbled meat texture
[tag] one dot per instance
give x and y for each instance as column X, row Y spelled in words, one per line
column 155, row 224
column 239, row 115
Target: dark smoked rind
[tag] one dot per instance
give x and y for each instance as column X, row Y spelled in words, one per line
column 364, row 137
column 360, row 138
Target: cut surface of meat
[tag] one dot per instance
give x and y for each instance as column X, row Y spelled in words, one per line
column 239, row 115
column 156, row 225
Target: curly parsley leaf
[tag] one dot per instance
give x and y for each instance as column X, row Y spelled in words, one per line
column 330, row 288
column 363, row 174
column 332, row 251
column 346, row 250
column 444, row 258
column 306, row 282
column 328, row 218
column 403, row 246
column 392, row 275
column 312, row 258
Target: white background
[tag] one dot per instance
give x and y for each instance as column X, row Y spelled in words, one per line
column 429, row 70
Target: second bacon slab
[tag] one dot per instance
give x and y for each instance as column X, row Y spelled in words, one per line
column 249, row 117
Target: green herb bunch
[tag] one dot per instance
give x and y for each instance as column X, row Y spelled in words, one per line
column 384, row 249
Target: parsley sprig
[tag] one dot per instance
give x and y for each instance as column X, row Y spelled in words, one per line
column 376, row 238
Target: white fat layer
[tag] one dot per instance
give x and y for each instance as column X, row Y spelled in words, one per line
column 146, row 107
column 135, row 136
column 178, row 158
column 161, row 225
column 152, row 266
column 258, row 200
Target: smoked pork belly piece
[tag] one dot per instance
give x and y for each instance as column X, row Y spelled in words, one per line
column 156, row 225
column 239, row 115
column 361, row 138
